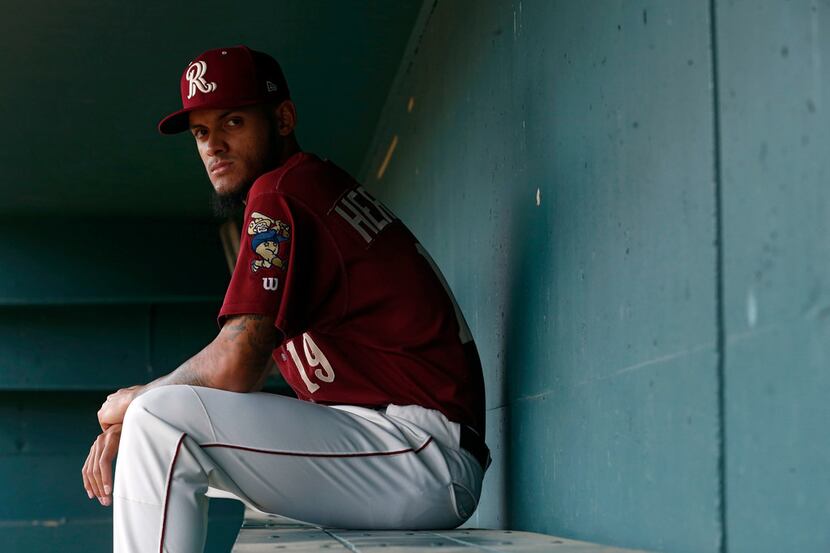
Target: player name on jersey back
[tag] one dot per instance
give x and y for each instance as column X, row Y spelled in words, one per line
column 364, row 213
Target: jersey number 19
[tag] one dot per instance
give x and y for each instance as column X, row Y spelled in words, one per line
column 315, row 357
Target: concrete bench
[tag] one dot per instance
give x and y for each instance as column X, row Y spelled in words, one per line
column 261, row 533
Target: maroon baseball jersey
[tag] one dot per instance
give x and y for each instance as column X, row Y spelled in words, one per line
column 366, row 316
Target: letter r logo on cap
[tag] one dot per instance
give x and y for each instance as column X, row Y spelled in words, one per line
column 195, row 76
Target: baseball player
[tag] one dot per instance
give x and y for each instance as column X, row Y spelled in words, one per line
column 387, row 430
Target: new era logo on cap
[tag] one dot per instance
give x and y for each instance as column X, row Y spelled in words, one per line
column 226, row 78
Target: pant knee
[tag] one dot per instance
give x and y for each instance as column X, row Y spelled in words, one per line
column 176, row 404
column 162, row 399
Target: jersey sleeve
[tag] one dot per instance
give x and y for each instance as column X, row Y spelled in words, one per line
column 266, row 265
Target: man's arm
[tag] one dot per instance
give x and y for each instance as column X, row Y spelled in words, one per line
column 236, row 360
column 233, row 361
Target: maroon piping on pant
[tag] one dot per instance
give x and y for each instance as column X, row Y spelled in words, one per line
column 336, row 455
column 167, row 492
column 271, row 452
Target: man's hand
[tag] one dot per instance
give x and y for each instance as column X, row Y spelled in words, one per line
column 97, row 471
column 112, row 411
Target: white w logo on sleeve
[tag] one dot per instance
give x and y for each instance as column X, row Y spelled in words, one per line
column 195, row 75
column 270, row 283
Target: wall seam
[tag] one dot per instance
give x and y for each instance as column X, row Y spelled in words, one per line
column 410, row 52
column 720, row 325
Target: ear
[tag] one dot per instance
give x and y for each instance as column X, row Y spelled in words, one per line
column 286, row 116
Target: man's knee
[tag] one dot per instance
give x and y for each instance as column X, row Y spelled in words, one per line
column 175, row 404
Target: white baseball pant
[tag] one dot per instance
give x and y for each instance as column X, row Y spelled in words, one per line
column 335, row 466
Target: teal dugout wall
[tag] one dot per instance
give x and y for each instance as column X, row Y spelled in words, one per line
column 630, row 201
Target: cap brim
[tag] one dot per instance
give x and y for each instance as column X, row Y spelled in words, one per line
column 179, row 121
column 175, row 122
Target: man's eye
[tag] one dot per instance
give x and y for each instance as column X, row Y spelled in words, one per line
column 199, row 133
column 234, row 121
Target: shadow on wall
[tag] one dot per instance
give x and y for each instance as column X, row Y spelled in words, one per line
column 527, row 306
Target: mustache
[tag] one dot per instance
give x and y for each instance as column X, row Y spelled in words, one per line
column 217, row 161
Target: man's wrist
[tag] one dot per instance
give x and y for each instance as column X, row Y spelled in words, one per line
column 138, row 389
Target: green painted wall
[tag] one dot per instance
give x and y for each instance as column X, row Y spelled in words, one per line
column 775, row 99
column 84, row 83
column 632, row 212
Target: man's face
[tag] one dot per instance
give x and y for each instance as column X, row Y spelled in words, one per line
column 236, row 145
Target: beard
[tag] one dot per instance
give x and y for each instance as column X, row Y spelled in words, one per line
column 227, row 205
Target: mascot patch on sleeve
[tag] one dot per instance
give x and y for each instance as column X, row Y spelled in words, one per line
column 267, row 235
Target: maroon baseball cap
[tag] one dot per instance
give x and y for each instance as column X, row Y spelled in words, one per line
column 226, row 78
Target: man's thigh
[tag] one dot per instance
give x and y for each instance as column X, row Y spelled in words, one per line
column 325, row 465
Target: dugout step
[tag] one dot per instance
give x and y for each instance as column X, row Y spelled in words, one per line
column 262, row 532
